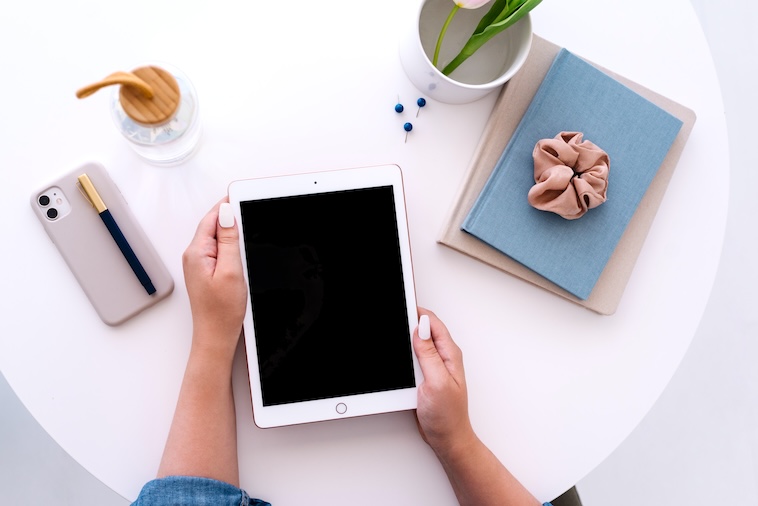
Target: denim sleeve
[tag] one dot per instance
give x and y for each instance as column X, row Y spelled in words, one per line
column 193, row 491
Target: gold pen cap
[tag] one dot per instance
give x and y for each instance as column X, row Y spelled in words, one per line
column 91, row 193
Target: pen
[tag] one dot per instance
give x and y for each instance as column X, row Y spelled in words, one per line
column 94, row 198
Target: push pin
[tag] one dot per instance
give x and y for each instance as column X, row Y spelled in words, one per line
column 421, row 102
column 407, row 127
column 399, row 107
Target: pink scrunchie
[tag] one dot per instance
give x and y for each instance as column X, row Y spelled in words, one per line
column 571, row 175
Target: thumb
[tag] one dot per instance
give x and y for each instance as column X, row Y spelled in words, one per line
column 227, row 234
column 429, row 358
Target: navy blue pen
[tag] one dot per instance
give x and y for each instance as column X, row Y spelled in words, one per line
column 118, row 236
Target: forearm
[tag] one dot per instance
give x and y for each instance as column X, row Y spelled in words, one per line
column 478, row 478
column 203, row 436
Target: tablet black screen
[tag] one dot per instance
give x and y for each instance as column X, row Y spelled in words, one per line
column 326, row 285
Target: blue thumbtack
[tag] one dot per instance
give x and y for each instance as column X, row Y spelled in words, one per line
column 407, row 127
column 399, row 107
column 421, row 102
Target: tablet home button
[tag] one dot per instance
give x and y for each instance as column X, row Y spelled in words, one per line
column 341, row 408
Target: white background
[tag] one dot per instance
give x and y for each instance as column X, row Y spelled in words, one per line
column 699, row 444
column 696, row 446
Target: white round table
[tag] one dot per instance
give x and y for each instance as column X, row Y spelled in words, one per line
column 299, row 86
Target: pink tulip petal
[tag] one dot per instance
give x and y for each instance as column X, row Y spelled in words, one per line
column 470, row 4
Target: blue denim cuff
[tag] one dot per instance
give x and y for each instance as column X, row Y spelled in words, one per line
column 193, row 491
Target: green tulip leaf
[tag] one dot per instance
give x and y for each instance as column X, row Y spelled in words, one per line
column 497, row 8
column 491, row 24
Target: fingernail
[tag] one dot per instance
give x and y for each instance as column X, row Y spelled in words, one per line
column 225, row 215
column 424, row 332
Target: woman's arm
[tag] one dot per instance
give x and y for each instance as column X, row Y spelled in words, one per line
column 476, row 475
column 203, row 437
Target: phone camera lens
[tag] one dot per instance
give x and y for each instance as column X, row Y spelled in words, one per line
column 43, row 200
column 52, row 213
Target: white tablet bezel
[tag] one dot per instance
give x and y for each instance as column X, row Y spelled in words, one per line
column 322, row 182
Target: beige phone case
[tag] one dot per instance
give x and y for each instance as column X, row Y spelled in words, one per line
column 90, row 250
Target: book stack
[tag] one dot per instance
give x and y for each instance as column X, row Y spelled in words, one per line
column 588, row 260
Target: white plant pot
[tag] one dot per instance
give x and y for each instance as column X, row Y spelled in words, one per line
column 485, row 71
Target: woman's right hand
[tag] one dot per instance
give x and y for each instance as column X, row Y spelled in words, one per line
column 442, row 411
column 475, row 473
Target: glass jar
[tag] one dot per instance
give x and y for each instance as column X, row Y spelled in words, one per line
column 171, row 141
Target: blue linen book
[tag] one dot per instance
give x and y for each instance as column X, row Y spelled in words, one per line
column 636, row 134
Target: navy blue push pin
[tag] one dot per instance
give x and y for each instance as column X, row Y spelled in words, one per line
column 399, row 107
column 407, row 127
column 421, row 102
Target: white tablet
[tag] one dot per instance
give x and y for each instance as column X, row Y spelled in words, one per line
column 331, row 306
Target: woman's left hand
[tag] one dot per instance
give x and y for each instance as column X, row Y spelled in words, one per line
column 215, row 283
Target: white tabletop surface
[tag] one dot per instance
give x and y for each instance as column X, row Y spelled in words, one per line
column 296, row 86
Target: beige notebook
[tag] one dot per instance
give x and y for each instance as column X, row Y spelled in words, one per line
column 511, row 105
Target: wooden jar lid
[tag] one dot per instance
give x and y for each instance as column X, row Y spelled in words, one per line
column 161, row 106
column 149, row 95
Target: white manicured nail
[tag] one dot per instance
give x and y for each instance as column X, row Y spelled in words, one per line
column 424, row 332
column 226, row 215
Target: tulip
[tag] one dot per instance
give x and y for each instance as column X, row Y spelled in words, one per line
column 501, row 15
column 471, row 4
column 457, row 4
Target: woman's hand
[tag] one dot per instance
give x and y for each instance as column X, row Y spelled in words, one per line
column 203, row 436
column 215, row 283
column 442, row 411
column 475, row 473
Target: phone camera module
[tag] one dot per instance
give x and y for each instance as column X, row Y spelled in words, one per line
column 52, row 204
